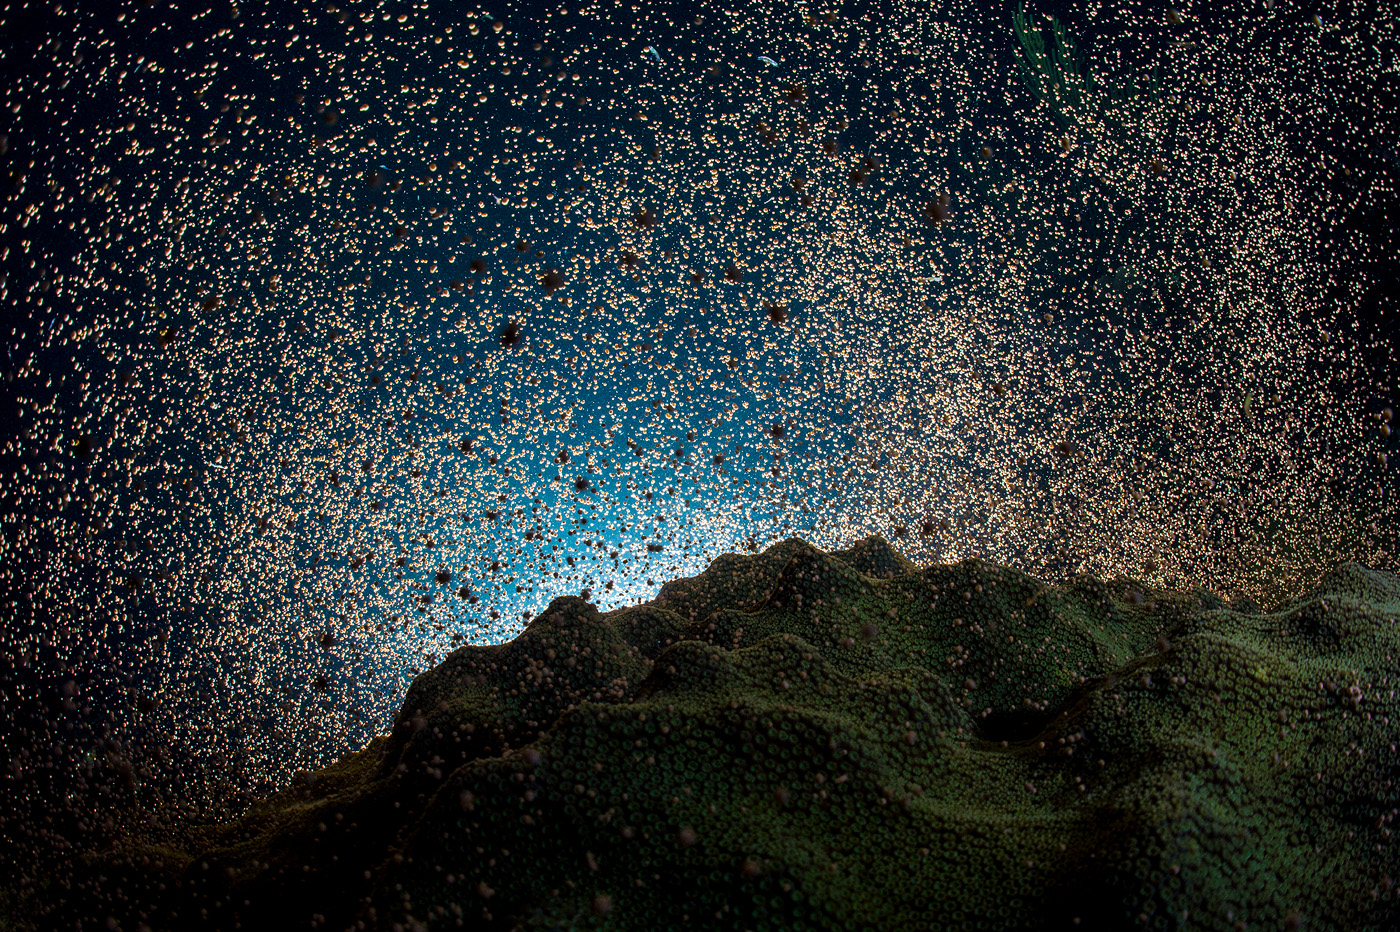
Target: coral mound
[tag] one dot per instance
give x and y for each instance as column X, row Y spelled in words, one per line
column 810, row 740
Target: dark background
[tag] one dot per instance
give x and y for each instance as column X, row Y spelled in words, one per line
column 222, row 422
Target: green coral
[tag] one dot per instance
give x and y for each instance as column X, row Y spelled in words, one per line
column 804, row 740
column 1061, row 77
column 1058, row 77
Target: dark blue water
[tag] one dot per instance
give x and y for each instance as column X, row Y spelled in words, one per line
column 336, row 339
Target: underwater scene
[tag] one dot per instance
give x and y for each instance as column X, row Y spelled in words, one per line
column 645, row 465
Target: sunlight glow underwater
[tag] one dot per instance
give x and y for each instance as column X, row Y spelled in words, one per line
column 347, row 335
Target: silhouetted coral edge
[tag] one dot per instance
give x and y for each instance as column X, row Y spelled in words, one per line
column 791, row 709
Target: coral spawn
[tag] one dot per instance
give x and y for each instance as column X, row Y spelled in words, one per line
column 799, row 739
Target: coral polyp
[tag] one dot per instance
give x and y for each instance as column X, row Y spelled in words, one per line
column 801, row 739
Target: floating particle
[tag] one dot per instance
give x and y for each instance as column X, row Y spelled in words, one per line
column 937, row 210
column 552, row 280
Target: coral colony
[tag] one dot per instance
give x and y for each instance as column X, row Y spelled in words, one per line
column 854, row 465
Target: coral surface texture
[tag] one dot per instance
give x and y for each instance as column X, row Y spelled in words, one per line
column 798, row 739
